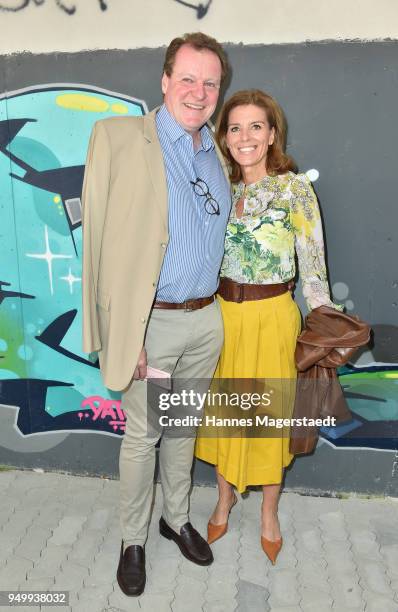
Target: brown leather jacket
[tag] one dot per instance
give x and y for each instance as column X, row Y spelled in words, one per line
column 329, row 339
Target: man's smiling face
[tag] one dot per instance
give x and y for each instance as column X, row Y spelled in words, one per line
column 191, row 91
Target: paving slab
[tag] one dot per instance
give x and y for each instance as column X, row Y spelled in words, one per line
column 284, row 587
column 252, row 597
column 60, row 531
column 226, row 604
column 346, row 591
column 379, row 603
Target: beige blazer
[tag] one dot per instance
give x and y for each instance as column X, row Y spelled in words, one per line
column 125, row 235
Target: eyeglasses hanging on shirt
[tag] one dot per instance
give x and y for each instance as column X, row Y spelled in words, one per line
column 201, row 189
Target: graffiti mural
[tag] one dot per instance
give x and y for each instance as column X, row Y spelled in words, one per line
column 372, row 395
column 47, row 385
column 14, row 6
column 44, row 135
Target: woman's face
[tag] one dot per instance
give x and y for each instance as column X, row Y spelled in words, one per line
column 248, row 138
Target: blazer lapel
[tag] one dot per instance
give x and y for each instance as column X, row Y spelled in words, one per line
column 154, row 160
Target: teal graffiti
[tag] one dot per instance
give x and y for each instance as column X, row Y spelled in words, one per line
column 44, row 135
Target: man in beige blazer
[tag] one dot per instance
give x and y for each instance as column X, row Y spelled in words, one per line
column 156, row 201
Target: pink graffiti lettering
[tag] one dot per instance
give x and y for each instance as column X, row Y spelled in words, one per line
column 105, row 409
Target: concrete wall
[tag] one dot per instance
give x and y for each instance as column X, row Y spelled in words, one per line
column 340, row 99
column 73, row 25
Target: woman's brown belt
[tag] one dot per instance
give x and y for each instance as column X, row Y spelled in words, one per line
column 231, row 291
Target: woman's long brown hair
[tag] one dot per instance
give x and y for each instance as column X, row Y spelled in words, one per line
column 277, row 162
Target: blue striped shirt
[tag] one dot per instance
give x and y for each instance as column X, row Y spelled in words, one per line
column 196, row 239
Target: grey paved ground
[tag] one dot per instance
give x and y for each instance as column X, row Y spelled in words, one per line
column 62, row 532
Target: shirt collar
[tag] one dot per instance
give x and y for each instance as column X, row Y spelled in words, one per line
column 174, row 130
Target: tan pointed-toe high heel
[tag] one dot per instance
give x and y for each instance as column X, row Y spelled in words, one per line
column 271, row 548
column 215, row 532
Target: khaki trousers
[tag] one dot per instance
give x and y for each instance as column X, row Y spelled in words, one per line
column 188, row 345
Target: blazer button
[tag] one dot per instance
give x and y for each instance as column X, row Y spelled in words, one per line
column 143, row 319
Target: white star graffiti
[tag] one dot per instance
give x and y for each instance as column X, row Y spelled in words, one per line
column 49, row 256
column 70, row 279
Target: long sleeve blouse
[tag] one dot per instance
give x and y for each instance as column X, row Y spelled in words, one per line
column 280, row 219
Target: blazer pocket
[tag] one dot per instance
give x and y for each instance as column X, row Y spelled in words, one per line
column 103, row 300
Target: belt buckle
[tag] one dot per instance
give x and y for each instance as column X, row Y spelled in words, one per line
column 186, row 307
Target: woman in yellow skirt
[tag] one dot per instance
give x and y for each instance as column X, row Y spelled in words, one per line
column 274, row 217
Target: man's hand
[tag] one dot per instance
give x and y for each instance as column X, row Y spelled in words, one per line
column 290, row 286
column 140, row 369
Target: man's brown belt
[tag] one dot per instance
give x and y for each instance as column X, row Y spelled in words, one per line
column 187, row 305
column 231, row 291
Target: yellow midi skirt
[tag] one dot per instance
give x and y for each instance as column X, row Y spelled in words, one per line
column 260, row 340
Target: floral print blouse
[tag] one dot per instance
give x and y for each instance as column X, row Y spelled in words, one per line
column 280, row 218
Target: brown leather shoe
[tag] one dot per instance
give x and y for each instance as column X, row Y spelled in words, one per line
column 215, row 532
column 189, row 541
column 271, row 548
column 131, row 575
